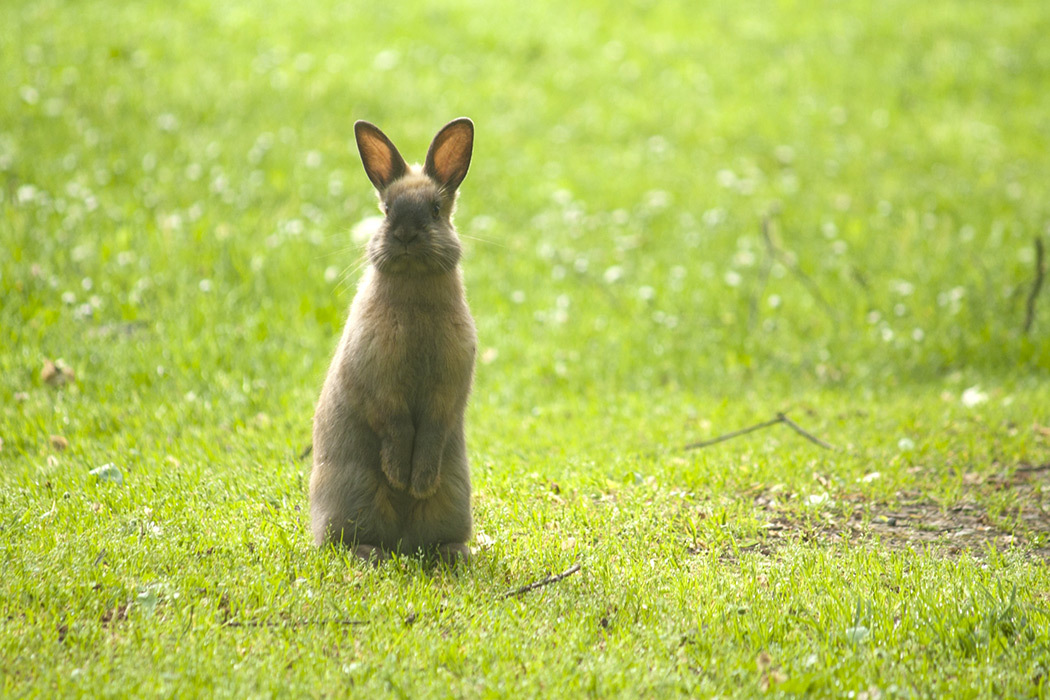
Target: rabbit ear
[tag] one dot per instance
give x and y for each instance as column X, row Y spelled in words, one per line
column 449, row 154
column 383, row 164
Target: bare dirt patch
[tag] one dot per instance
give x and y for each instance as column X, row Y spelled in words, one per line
column 916, row 521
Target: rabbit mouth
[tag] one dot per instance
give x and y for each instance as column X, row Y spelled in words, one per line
column 405, row 261
column 414, row 257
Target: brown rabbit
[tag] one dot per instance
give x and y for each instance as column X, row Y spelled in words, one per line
column 390, row 464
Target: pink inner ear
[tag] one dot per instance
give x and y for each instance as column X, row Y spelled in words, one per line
column 378, row 158
column 449, row 155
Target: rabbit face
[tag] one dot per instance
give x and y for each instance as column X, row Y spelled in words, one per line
column 416, row 235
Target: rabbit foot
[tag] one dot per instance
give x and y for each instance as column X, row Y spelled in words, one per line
column 453, row 554
column 371, row 553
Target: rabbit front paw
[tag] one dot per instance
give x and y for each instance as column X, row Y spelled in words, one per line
column 426, row 472
column 396, row 460
column 426, row 460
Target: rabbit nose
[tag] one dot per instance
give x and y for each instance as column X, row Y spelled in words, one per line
column 405, row 237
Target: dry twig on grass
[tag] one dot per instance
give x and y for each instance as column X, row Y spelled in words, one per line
column 1037, row 284
column 541, row 583
column 295, row 623
column 778, row 254
column 780, row 418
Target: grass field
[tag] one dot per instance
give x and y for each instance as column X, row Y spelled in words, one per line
column 681, row 220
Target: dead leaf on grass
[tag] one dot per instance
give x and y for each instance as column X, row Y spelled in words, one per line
column 118, row 613
column 108, row 473
column 59, row 443
column 56, row 373
column 484, row 542
column 773, row 677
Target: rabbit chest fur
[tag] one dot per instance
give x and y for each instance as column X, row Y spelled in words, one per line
column 406, row 355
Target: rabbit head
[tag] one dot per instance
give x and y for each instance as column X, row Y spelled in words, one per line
column 417, row 235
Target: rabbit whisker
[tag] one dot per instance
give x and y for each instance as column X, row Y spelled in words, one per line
column 343, row 251
column 482, row 240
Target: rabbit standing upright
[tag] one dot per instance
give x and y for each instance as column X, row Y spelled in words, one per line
column 390, row 466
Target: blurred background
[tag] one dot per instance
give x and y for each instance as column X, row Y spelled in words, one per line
column 713, row 199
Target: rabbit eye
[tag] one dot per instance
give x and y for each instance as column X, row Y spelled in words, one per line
column 435, row 209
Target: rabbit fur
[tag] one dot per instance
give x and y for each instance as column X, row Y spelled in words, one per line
column 390, row 468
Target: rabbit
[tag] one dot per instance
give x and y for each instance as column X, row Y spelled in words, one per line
column 390, row 469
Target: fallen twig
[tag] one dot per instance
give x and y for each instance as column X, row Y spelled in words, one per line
column 780, row 418
column 1037, row 284
column 814, row 289
column 543, row 582
column 763, row 277
column 1033, row 467
column 798, row 429
column 295, row 623
column 730, row 436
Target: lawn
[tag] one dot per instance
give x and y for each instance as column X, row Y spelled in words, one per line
column 681, row 220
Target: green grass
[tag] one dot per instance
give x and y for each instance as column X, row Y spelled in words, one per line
column 178, row 185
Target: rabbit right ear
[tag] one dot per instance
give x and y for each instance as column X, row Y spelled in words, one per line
column 449, row 156
column 383, row 164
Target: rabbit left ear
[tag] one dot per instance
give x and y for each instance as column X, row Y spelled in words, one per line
column 449, row 156
column 383, row 164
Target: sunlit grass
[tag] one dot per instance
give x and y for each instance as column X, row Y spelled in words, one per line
column 680, row 220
